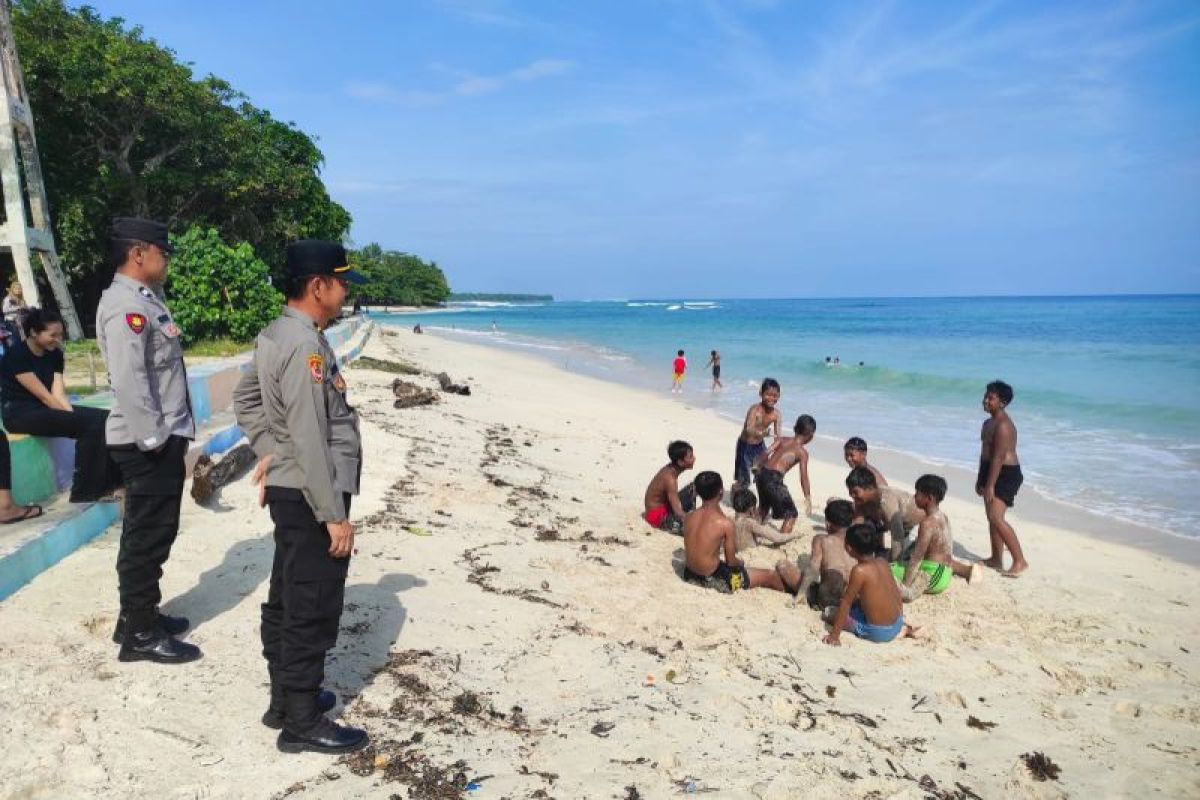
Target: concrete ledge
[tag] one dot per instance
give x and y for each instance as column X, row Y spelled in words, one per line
column 42, row 467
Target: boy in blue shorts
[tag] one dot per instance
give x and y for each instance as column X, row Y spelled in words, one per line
column 871, row 608
column 761, row 418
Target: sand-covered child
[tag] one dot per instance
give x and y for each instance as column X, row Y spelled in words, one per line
column 666, row 504
column 773, row 494
column 748, row 529
column 761, row 419
column 900, row 512
column 824, row 579
column 871, row 608
column 926, row 566
column 855, row 453
column 708, row 533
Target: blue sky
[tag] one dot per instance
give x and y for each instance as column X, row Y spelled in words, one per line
column 739, row 148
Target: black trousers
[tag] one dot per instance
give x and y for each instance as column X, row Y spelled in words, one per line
column 304, row 606
column 95, row 473
column 153, row 493
column 5, row 464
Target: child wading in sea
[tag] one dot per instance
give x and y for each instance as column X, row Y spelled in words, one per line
column 707, row 532
column 759, row 421
column 871, row 608
column 855, row 453
column 774, row 497
column 748, row 530
column 926, row 567
column 679, row 365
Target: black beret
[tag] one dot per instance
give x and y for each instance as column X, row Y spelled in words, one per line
column 141, row 230
column 317, row 257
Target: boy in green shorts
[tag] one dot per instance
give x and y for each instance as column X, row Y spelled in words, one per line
column 926, row 566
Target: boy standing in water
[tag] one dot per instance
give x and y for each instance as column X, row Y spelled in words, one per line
column 666, row 504
column 871, row 608
column 774, row 497
column 1000, row 477
column 714, row 361
column 759, row 420
column 707, row 532
column 855, row 453
column 680, row 367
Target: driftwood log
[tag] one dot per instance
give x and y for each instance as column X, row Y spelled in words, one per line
column 409, row 394
column 450, row 386
column 208, row 476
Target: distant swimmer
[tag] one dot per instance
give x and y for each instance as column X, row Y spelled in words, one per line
column 761, row 419
column 714, row 361
column 829, row 361
column 417, row 328
column 1000, row 476
column 679, row 365
column 855, row 453
column 666, row 504
column 495, row 329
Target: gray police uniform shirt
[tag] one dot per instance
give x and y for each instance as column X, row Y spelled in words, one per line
column 291, row 403
column 140, row 344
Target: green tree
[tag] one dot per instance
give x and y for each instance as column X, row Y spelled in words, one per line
column 216, row 291
column 125, row 128
column 395, row 278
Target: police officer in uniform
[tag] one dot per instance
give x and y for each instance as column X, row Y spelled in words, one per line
column 148, row 431
column 292, row 405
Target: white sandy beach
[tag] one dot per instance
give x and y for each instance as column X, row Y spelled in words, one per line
column 511, row 618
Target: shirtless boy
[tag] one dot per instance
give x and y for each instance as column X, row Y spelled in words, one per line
column 900, row 512
column 924, row 567
column 773, row 494
column 824, row 580
column 714, row 361
column 707, row 532
column 760, row 419
column 870, row 608
column 665, row 503
column 679, row 367
column 855, row 453
column 747, row 528
column 1000, row 477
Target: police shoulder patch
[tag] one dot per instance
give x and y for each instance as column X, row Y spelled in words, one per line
column 136, row 322
column 316, row 367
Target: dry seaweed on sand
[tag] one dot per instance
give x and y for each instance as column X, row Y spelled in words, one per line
column 1041, row 767
column 976, row 722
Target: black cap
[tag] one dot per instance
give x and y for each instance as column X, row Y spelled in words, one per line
column 317, row 257
column 141, row 230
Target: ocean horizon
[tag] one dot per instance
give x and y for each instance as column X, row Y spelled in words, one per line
column 1106, row 399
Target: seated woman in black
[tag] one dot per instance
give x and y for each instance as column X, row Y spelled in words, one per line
column 35, row 402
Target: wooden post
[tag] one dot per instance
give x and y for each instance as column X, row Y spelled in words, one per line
column 26, row 231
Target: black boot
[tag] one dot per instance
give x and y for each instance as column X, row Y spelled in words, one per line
column 172, row 625
column 323, row 737
column 273, row 717
column 159, row 646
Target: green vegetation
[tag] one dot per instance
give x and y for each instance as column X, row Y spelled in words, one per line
column 395, row 278
column 125, row 128
column 217, row 348
column 383, row 365
column 217, row 291
column 485, row 297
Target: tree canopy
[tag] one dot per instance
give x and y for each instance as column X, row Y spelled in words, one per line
column 395, row 278
column 124, row 128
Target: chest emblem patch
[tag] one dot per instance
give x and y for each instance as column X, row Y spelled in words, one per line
column 316, row 367
column 136, row 322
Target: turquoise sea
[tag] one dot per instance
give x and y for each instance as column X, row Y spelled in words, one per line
column 1107, row 388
